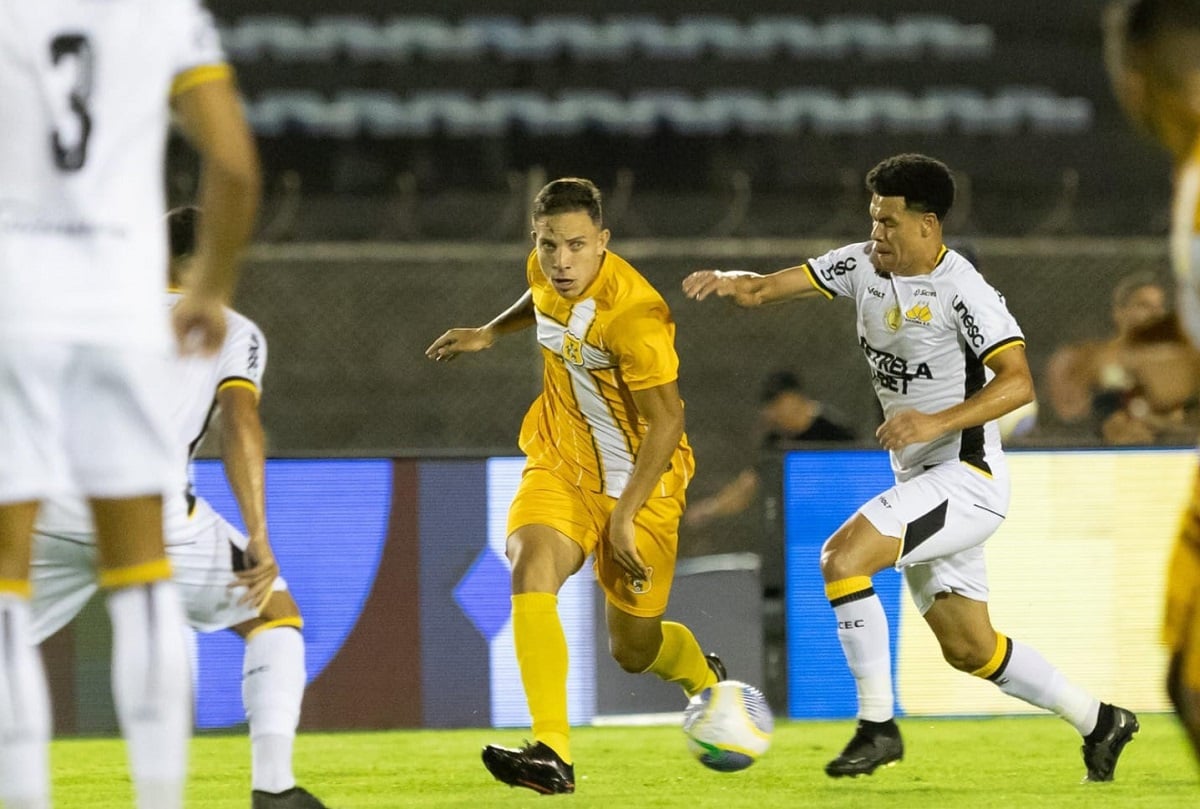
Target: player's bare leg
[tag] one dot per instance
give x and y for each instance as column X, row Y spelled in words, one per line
column 151, row 676
column 542, row 559
column 24, row 696
column 849, row 558
column 273, row 680
column 664, row 648
column 970, row 644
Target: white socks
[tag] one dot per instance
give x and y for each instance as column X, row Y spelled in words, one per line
column 24, row 712
column 152, row 689
column 863, row 632
column 1030, row 677
column 273, row 678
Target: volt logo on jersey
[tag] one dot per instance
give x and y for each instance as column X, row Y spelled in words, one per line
column 572, row 349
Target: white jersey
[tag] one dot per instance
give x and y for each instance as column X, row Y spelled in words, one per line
column 926, row 339
column 193, row 399
column 85, row 89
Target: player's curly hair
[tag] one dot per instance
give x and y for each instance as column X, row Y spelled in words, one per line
column 568, row 194
column 925, row 183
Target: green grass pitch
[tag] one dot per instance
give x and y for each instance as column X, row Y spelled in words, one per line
column 978, row 763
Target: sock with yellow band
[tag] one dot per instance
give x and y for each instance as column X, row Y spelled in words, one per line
column 862, row 630
column 1020, row 671
column 542, row 658
column 681, row 660
column 152, row 689
column 24, row 710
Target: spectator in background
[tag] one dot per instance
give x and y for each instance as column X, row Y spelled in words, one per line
column 1137, row 386
column 786, row 416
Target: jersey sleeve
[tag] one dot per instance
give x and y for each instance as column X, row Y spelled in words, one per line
column 197, row 56
column 982, row 318
column 243, row 356
column 836, row 272
column 643, row 340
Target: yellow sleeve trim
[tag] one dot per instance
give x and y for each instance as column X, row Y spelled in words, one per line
column 21, row 588
column 812, row 279
column 194, row 77
column 844, row 587
column 294, row 621
column 998, row 656
column 145, row 573
column 1001, row 349
column 238, row 383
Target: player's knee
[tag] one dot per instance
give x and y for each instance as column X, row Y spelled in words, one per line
column 838, row 562
column 631, row 657
column 280, row 605
column 967, row 654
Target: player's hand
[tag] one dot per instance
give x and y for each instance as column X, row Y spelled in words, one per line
column 460, row 341
column 199, row 323
column 259, row 578
column 622, row 545
column 699, row 285
column 908, row 427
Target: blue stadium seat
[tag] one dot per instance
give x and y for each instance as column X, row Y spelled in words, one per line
column 275, row 36
column 432, row 38
column 949, row 39
column 381, row 114
column 357, row 36
column 874, row 39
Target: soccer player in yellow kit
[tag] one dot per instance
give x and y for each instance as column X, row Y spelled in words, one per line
column 608, row 464
column 1152, row 50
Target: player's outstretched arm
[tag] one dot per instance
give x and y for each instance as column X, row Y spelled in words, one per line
column 466, row 341
column 243, row 452
column 211, row 117
column 751, row 289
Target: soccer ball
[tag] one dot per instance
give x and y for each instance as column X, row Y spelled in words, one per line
column 728, row 726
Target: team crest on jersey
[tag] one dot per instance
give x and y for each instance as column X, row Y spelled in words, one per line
column 640, row 586
column 919, row 314
column 891, row 318
column 572, row 349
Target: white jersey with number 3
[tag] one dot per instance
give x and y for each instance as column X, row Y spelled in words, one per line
column 926, row 339
column 84, row 92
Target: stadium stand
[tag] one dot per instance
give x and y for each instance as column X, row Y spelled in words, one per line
column 457, row 96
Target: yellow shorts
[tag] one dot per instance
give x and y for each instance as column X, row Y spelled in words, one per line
column 543, row 498
column 1181, row 627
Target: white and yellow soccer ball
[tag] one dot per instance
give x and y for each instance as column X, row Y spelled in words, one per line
column 728, row 726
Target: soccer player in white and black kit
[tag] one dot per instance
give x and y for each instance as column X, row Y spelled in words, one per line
column 947, row 360
column 87, row 90
column 226, row 579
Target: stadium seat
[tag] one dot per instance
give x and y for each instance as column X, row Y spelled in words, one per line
column 432, row 38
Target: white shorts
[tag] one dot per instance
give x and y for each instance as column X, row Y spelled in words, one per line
column 85, row 418
column 204, row 559
column 943, row 516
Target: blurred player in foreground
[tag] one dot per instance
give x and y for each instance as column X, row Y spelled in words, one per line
column 87, row 89
column 947, row 360
column 226, row 580
column 1152, row 50
column 608, row 463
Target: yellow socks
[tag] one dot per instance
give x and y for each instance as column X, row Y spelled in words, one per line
column 542, row 658
column 680, row 660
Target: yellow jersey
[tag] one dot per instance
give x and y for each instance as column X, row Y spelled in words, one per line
column 616, row 338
